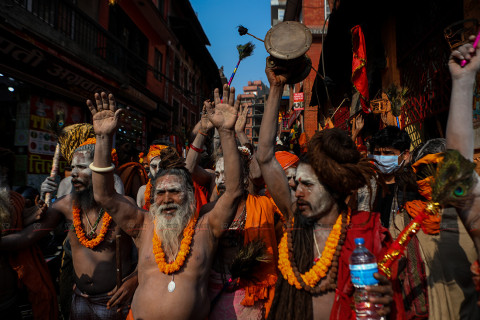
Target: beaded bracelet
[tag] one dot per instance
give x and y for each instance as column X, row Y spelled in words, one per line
column 203, row 134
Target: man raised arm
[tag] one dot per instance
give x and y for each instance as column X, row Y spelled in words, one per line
column 272, row 172
column 175, row 252
column 460, row 126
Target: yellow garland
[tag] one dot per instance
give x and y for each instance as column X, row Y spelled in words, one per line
column 147, row 194
column 77, row 223
column 174, row 266
column 320, row 268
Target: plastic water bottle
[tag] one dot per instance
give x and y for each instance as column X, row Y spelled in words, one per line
column 362, row 267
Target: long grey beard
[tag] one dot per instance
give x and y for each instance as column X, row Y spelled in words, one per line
column 5, row 211
column 170, row 230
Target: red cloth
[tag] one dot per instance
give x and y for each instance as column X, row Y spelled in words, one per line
column 32, row 270
column 364, row 225
column 359, row 67
column 200, row 195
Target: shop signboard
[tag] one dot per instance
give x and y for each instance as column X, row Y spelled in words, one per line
column 298, row 103
column 41, row 141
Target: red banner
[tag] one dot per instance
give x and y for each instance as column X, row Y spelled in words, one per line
column 359, row 67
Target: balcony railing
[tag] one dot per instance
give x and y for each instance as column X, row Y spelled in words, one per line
column 71, row 22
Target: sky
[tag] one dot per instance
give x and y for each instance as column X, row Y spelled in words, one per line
column 219, row 20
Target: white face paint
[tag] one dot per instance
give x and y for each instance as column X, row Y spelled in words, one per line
column 81, row 173
column 154, row 166
column 220, row 175
column 171, row 211
column 291, row 173
column 312, row 198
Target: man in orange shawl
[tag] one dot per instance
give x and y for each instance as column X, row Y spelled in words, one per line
column 26, row 266
column 153, row 160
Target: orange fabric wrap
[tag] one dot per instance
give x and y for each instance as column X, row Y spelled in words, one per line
column 431, row 224
column 286, row 159
column 32, row 270
column 260, row 224
column 154, row 151
column 94, row 141
column 130, row 315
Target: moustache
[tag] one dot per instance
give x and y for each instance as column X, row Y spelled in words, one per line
column 169, row 206
column 302, row 203
column 75, row 181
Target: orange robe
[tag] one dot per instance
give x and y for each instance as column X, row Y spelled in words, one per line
column 32, row 270
column 260, row 224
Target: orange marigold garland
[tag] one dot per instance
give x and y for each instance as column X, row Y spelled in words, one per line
column 319, row 270
column 77, row 223
column 174, row 266
column 147, row 194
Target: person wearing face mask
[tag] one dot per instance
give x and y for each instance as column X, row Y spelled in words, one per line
column 390, row 148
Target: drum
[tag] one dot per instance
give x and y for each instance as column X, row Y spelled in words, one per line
column 287, row 43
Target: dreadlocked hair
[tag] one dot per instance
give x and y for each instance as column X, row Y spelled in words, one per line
column 246, row 158
column 173, row 164
column 288, row 301
column 72, row 136
column 338, row 164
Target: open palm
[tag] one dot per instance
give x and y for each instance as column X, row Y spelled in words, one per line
column 224, row 115
column 242, row 119
column 105, row 114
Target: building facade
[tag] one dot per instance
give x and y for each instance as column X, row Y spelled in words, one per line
column 55, row 54
column 253, row 97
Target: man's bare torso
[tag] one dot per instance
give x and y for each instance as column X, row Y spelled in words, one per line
column 95, row 269
column 189, row 300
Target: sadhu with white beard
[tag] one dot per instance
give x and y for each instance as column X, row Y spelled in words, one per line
column 175, row 250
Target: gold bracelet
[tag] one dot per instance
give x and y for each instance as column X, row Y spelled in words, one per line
column 101, row 170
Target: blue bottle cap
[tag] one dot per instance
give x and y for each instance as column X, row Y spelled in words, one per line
column 359, row 241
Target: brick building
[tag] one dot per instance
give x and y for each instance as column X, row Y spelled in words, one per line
column 54, row 54
column 254, row 98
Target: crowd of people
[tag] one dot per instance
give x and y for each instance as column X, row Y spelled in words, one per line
column 234, row 232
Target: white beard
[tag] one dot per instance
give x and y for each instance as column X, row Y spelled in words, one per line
column 170, row 231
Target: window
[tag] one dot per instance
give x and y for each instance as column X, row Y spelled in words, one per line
column 327, row 10
column 184, row 117
column 161, row 7
column 185, row 78
column 193, row 119
column 158, row 65
column 176, row 110
column 176, row 70
column 247, row 131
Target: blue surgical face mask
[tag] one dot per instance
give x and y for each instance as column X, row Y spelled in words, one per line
column 387, row 164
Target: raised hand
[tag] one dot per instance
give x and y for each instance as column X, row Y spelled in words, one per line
column 105, row 115
column 468, row 53
column 242, row 119
column 359, row 123
column 224, row 115
column 276, row 76
column 205, row 123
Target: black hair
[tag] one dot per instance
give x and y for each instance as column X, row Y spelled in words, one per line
column 391, row 136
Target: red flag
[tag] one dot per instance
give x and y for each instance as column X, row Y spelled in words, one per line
column 359, row 67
